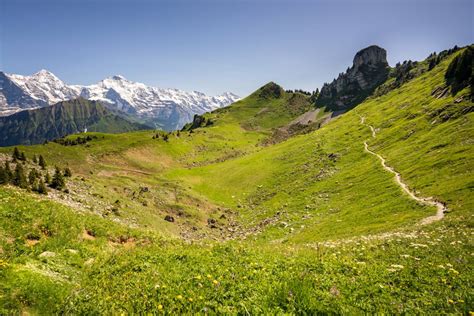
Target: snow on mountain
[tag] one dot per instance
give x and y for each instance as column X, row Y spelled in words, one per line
column 44, row 86
column 167, row 108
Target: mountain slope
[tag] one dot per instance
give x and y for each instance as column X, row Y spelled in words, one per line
column 61, row 119
column 327, row 172
column 166, row 108
column 311, row 225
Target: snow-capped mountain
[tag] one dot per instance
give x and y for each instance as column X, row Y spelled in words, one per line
column 167, row 108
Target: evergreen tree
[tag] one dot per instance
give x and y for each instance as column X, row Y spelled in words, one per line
column 41, row 189
column 16, row 154
column 35, row 159
column 8, row 172
column 58, row 180
column 460, row 72
column 47, row 178
column 3, row 177
column 67, row 172
column 42, row 162
column 22, row 156
column 32, row 176
column 19, row 177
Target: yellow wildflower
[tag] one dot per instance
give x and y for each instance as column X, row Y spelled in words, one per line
column 160, row 307
column 179, row 297
column 215, row 282
column 454, row 271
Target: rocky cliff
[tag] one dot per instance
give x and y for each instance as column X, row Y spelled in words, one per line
column 369, row 70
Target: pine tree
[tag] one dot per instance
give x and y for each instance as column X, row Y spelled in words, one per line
column 47, row 178
column 22, row 156
column 67, row 172
column 16, row 154
column 19, row 177
column 42, row 162
column 32, row 176
column 35, row 159
column 8, row 172
column 58, row 180
column 3, row 176
column 41, row 189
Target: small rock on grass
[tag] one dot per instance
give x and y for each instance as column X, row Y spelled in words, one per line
column 47, row 254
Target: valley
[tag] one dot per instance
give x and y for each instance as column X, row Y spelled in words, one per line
column 281, row 203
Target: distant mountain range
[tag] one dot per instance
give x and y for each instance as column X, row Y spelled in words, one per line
column 64, row 118
column 163, row 108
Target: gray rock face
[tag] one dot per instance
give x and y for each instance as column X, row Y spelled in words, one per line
column 369, row 70
column 372, row 55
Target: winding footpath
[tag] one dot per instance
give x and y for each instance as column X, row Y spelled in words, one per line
column 440, row 207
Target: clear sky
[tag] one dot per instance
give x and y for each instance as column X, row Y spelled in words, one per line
column 221, row 45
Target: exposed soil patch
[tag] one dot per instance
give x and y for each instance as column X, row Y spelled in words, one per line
column 31, row 242
column 126, row 242
column 88, row 235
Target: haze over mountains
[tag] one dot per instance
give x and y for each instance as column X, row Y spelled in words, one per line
column 163, row 108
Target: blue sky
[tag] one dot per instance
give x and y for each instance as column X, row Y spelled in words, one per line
column 221, row 45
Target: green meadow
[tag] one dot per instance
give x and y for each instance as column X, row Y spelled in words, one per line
column 308, row 225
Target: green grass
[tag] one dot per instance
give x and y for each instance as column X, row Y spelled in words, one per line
column 352, row 195
column 414, row 272
column 316, row 224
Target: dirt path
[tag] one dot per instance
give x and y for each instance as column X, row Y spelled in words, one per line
column 440, row 207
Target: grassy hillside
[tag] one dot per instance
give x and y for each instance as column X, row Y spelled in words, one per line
column 310, row 225
column 54, row 260
column 328, row 173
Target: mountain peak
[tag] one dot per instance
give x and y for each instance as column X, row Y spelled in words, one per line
column 370, row 69
column 118, row 78
column 372, row 55
column 270, row 90
column 44, row 73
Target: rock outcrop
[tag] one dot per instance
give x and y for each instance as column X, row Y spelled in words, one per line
column 369, row 70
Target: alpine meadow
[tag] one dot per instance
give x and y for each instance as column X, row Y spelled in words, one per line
column 353, row 198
